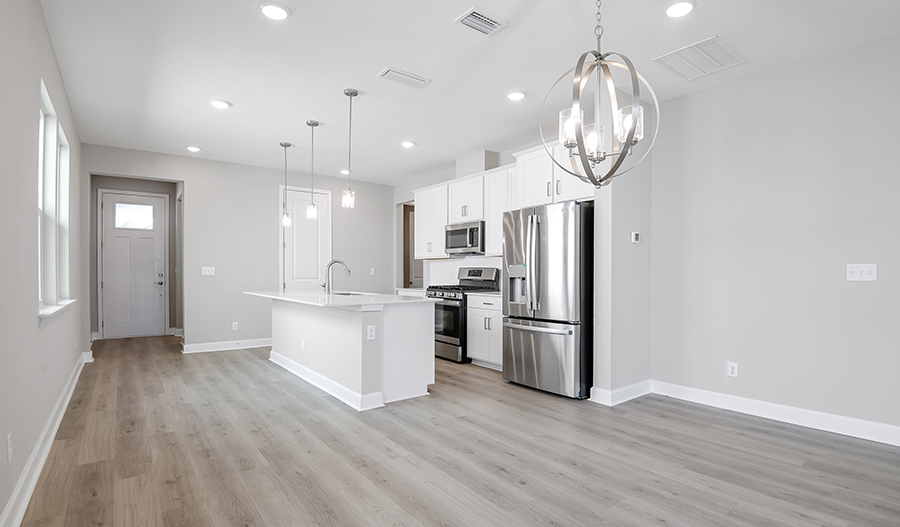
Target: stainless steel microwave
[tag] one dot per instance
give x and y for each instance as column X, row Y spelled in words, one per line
column 465, row 238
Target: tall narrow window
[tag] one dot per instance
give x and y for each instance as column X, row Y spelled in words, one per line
column 53, row 211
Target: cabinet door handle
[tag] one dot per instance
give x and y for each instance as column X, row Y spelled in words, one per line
column 489, row 324
column 557, row 187
column 484, row 323
column 548, row 188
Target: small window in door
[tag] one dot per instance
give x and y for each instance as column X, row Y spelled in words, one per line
column 132, row 216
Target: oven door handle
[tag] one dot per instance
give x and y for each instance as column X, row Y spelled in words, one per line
column 454, row 303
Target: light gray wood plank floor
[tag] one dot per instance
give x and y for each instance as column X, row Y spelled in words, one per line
column 155, row 438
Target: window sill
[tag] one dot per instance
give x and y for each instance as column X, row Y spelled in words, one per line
column 48, row 312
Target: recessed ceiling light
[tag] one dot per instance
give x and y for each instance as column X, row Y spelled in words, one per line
column 193, row 149
column 220, row 104
column 408, row 144
column 679, row 8
column 274, row 10
column 345, row 172
column 516, row 96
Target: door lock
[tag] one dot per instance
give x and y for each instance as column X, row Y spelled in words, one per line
column 160, row 283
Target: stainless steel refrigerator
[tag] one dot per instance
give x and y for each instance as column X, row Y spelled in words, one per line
column 548, row 255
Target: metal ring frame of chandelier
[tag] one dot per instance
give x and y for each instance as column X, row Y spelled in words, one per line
column 579, row 81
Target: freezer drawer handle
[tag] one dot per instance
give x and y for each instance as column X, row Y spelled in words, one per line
column 538, row 330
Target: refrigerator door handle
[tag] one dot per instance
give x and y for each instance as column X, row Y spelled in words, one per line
column 529, row 279
column 537, row 329
column 536, row 263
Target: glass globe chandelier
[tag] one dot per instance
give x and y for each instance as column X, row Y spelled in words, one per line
column 586, row 142
column 348, row 198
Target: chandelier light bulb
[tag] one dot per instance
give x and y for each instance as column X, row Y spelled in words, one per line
column 312, row 211
column 593, row 139
column 625, row 124
column 567, row 127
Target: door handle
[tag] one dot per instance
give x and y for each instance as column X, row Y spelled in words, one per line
column 160, row 283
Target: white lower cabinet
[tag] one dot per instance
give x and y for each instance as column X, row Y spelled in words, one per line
column 484, row 322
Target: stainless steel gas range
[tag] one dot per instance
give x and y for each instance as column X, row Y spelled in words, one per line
column 450, row 310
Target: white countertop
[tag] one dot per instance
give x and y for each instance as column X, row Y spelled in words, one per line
column 320, row 299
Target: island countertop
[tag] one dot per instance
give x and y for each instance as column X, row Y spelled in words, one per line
column 339, row 299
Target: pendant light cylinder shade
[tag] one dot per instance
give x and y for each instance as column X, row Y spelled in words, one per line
column 312, row 211
column 348, row 198
column 625, row 122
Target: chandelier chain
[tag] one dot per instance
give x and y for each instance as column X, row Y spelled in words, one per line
column 598, row 30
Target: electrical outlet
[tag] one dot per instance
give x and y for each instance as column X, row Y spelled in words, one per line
column 370, row 333
column 208, row 271
column 732, row 369
column 371, row 271
column 234, row 326
column 9, row 447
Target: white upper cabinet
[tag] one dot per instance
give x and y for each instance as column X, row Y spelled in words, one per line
column 496, row 202
column 466, row 200
column 540, row 181
column 431, row 218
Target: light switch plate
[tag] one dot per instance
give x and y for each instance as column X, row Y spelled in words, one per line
column 862, row 272
column 208, row 271
column 371, row 271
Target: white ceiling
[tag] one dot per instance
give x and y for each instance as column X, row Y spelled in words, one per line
column 140, row 74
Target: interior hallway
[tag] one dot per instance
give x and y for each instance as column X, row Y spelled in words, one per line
column 155, row 438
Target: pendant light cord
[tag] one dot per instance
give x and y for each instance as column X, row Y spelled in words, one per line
column 312, row 162
column 285, row 179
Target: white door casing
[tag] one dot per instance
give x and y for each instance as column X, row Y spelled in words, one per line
column 133, row 264
column 416, row 266
column 306, row 247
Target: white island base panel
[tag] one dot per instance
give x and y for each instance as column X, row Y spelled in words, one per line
column 328, row 347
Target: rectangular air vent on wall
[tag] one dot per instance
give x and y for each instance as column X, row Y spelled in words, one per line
column 403, row 77
column 698, row 59
column 484, row 24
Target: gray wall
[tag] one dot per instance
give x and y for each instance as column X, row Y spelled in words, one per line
column 140, row 185
column 36, row 361
column 763, row 191
column 232, row 222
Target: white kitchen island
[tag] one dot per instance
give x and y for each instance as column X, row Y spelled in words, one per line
column 365, row 349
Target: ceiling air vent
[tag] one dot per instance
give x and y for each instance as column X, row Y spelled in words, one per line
column 698, row 59
column 403, row 77
column 484, row 24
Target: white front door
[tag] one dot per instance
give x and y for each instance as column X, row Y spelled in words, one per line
column 133, row 264
column 307, row 243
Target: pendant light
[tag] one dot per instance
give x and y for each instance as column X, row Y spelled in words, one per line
column 348, row 198
column 285, row 217
column 312, row 211
column 586, row 142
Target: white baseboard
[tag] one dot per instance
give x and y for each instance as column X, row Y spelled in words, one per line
column 850, row 426
column 87, row 356
column 178, row 332
column 18, row 502
column 621, row 395
column 95, row 336
column 355, row 400
column 204, row 347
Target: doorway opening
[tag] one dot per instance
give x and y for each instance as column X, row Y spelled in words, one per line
column 136, row 257
column 413, row 269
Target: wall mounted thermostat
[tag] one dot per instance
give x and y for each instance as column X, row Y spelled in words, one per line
column 635, row 237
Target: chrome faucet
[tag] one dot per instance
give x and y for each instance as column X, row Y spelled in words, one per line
column 328, row 274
